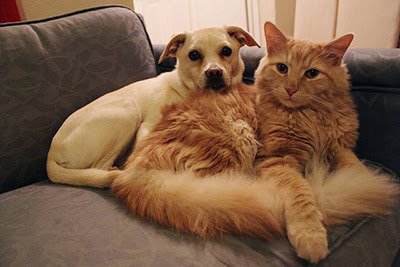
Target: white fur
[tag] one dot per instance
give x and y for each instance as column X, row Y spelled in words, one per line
column 352, row 193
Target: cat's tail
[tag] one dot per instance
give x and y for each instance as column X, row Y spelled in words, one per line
column 352, row 193
column 206, row 206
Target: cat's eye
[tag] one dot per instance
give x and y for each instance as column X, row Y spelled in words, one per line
column 312, row 73
column 194, row 55
column 282, row 68
column 226, row 51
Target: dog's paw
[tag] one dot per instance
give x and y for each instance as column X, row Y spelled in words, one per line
column 310, row 243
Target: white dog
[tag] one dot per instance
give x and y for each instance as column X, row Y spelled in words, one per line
column 89, row 142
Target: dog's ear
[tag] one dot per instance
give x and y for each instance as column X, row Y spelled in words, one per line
column 172, row 46
column 243, row 37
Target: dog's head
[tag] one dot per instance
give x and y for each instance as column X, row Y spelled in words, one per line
column 209, row 58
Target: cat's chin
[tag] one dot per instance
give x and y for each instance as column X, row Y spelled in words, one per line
column 290, row 103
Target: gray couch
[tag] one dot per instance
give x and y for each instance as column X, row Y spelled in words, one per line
column 50, row 68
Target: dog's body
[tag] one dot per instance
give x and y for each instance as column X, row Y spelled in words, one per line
column 89, row 142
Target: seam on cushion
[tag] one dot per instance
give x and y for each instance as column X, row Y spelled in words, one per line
column 375, row 89
column 148, row 39
column 87, row 10
column 342, row 238
column 28, row 22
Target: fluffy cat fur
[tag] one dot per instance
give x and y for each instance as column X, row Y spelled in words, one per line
column 194, row 171
column 308, row 129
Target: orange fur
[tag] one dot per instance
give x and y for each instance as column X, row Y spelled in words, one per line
column 194, row 171
column 209, row 133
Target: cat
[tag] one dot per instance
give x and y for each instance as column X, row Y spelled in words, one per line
column 309, row 128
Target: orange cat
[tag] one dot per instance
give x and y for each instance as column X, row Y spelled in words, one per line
column 307, row 121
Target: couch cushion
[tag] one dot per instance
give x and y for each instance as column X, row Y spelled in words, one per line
column 52, row 67
column 50, row 224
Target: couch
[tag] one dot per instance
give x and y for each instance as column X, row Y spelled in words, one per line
column 51, row 67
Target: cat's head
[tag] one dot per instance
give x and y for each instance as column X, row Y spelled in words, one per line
column 297, row 73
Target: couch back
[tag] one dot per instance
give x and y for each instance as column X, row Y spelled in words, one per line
column 50, row 68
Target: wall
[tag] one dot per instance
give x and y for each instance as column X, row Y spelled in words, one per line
column 285, row 10
column 163, row 18
column 375, row 23
column 38, row 9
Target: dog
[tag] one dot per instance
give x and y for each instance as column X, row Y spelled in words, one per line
column 85, row 148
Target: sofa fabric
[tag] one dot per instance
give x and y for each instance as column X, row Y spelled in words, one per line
column 50, row 224
column 52, row 67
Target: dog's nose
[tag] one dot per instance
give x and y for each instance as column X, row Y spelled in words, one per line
column 214, row 72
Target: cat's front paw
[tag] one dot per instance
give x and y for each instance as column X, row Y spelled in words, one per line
column 313, row 248
column 310, row 243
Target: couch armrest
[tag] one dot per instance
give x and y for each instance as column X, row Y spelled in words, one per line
column 49, row 68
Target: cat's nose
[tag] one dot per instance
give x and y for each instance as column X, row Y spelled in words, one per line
column 291, row 90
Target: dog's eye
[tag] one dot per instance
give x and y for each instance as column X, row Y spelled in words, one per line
column 194, row 55
column 312, row 73
column 282, row 68
column 226, row 51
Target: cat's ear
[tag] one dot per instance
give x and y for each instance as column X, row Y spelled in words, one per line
column 274, row 37
column 337, row 47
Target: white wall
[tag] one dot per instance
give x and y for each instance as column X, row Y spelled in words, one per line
column 163, row 18
column 315, row 20
column 376, row 23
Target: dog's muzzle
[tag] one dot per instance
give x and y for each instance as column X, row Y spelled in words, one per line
column 215, row 78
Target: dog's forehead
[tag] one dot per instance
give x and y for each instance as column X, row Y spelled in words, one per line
column 210, row 37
